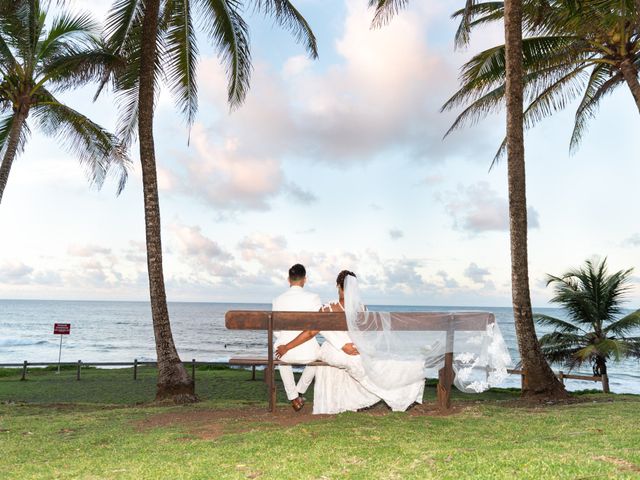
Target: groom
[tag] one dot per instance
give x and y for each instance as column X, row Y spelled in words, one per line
column 297, row 300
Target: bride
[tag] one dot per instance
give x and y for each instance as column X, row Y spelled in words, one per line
column 346, row 384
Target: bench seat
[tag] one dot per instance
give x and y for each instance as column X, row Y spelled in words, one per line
column 253, row 362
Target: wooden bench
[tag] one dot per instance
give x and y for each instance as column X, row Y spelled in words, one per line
column 406, row 321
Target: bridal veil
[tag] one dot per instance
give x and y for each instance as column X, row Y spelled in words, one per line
column 399, row 348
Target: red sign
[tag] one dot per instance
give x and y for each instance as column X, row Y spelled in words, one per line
column 61, row 328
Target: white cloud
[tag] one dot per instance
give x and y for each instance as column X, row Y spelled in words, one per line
column 632, row 241
column 296, row 65
column 431, row 180
column 477, row 274
column 447, row 281
column 197, row 246
column 396, row 234
column 478, row 208
column 300, row 196
column 87, row 250
column 383, row 94
column 15, row 273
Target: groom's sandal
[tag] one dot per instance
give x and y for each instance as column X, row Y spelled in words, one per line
column 297, row 403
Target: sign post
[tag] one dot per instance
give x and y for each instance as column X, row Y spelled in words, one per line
column 61, row 329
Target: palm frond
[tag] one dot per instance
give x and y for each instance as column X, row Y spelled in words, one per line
column 385, row 10
column 545, row 103
column 570, row 293
column 627, row 324
column 287, row 16
column 602, row 82
column 230, row 34
column 15, row 23
column 7, row 60
column 558, row 324
column 633, row 346
column 611, row 348
column 124, row 17
column 181, row 58
column 98, row 150
column 475, row 15
column 6, row 123
column 127, row 88
column 614, row 289
column 68, row 33
column 75, row 69
column 563, row 339
column 545, row 61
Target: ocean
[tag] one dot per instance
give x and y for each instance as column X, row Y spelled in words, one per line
column 122, row 331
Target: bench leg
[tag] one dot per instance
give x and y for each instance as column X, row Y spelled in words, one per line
column 270, row 367
column 253, row 372
column 445, row 380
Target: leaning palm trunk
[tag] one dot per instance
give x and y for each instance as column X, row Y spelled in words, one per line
column 173, row 380
column 540, row 379
column 19, row 118
column 630, row 74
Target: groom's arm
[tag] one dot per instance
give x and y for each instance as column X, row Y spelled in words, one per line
column 299, row 340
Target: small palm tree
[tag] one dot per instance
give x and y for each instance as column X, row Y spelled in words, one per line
column 36, row 63
column 594, row 332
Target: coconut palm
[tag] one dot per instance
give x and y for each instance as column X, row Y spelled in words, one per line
column 540, row 379
column 158, row 40
column 594, row 332
column 570, row 51
column 36, row 64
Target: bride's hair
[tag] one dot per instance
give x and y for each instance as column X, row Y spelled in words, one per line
column 341, row 276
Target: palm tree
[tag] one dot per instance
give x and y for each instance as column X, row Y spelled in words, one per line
column 157, row 38
column 593, row 334
column 570, row 52
column 36, row 63
column 540, row 380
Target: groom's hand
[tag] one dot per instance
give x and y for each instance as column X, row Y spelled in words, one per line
column 281, row 351
column 350, row 349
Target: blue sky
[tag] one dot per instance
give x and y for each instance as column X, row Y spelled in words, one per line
column 336, row 163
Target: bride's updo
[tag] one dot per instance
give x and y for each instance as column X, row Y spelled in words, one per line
column 341, row 276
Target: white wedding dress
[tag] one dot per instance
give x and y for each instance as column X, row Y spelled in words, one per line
column 346, row 387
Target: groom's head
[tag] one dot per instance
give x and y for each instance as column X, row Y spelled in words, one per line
column 297, row 275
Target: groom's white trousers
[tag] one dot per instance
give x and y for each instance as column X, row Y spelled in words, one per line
column 300, row 356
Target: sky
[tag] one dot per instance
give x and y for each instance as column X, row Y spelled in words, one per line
column 334, row 163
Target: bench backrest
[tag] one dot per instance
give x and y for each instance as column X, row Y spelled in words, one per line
column 408, row 321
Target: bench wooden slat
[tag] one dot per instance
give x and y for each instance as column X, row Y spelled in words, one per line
column 407, row 321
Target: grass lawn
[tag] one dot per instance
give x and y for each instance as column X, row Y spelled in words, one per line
column 52, row 426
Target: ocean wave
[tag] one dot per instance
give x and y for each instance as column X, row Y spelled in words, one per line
column 16, row 342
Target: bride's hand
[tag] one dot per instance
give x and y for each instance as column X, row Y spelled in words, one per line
column 350, row 349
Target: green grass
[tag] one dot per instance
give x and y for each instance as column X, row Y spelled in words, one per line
column 52, row 426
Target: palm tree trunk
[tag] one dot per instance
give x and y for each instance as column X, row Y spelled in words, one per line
column 173, row 380
column 540, row 379
column 19, row 118
column 630, row 74
column 601, row 370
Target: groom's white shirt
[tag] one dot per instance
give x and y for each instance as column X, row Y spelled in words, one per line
column 296, row 299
